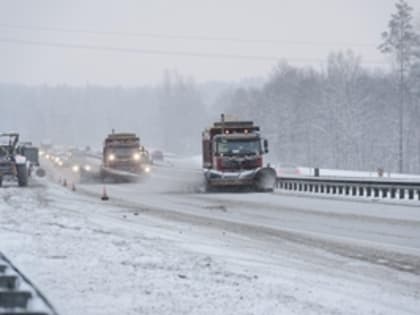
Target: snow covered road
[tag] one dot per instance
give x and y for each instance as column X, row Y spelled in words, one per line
column 159, row 248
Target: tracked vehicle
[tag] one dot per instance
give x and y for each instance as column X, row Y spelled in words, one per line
column 233, row 157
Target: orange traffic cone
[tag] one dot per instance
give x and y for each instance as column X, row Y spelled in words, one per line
column 104, row 194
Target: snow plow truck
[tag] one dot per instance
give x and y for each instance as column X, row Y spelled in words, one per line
column 124, row 159
column 233, row 157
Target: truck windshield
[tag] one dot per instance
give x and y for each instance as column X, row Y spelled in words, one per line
column 123, row 151
column 238, row 146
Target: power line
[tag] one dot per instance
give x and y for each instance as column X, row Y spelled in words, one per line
column 186, row 37
column 162, row 52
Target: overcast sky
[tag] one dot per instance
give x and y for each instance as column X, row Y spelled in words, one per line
column 131, row 43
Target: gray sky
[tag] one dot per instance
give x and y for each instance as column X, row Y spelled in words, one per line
column 45, row 49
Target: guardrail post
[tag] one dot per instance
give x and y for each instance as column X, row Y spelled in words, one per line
column 321, row 187
column 361, row 191
column 418, row 194
column 384, row 192
column 340, row 190
column 410, row 194
column 393, row 191
column 316, row 188
column 334, row 190
column 347, row 190
column 401, row 193
column 376, row 192
column 368, row 191
column 327, row 189
column 354, row 190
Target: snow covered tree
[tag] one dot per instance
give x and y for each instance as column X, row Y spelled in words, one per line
column 401, row 41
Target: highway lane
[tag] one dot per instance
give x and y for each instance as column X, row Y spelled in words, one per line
column 380, row 233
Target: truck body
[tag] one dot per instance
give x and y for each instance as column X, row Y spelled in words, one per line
column 12, row 164
column 233, row 156
column 122, row 152
column 31, row 153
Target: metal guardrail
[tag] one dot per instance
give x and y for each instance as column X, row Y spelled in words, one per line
column 18, row 295
column 357, row 187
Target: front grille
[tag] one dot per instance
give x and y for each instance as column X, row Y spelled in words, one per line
column 240, row 164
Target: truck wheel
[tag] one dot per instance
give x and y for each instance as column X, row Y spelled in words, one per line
column 22, row 175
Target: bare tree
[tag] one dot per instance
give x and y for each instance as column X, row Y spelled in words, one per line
column 401, row 41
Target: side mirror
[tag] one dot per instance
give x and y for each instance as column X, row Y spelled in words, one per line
column 265, row 146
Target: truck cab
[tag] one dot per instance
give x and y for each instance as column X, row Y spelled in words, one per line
column 122, row 151
column 233, row 155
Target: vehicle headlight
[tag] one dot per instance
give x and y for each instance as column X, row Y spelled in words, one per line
column 111, row 157
column 60, row 163
column 87, row 168
column 136, row 157
column 147, row 169
column 75, row 168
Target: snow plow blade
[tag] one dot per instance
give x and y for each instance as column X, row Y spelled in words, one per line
column 262, row 179
column 119, row 176
column 265, row 179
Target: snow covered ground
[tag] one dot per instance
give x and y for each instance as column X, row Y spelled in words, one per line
column 159, row 248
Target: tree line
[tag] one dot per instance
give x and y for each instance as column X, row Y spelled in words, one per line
column 345, row 115
column 341, row 116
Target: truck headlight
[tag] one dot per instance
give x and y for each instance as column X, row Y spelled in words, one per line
column 111, row 157
column 87, row 168
column 147, row 169
column 75, row 168
column 136, row 157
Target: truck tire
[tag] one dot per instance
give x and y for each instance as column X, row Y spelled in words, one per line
column 22, row 175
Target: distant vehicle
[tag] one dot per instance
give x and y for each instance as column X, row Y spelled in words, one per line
column 233, row 156
column 287, row 169
column 12, row 164
column 156, row 155
column 123, row 152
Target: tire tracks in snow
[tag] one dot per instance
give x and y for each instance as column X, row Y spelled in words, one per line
column 376, row 253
